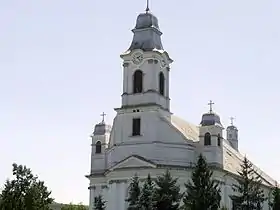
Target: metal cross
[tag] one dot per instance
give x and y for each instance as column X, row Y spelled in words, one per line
column 103, row 117
column 147, row 8
column 210, row 104
column 231, row 120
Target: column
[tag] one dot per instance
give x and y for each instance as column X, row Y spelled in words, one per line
column 122, row 194
column 91, row 197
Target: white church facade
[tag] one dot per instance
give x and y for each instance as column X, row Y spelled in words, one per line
column 146, row 138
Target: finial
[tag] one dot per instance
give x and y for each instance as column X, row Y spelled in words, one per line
column 103, row 117
column 210, row 105
column 147, row 8
column 231, row 120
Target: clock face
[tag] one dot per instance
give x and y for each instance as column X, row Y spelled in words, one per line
column 137, row 58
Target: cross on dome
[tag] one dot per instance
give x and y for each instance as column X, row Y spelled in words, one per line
column 231, row 120
column 210, row 105
column 103, row 117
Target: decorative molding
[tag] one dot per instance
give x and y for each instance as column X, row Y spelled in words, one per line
column 141, row 105
column 125, row 65
column 150, row 61
column 147, row 91
column 92, row 187
column 124, row 94
column 118, row 181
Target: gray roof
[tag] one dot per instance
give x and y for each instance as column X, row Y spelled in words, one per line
column 101, row 129
column 232, row 127
column 146, row 20
column 210, row 118
column 147, row 35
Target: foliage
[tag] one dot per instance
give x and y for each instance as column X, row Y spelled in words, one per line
column 202, row 192
column 134, row 194
column 167, row 193
column 146, row 196
column 74, row 207
column 275, row 203
column 25, row 191
column 99, row 203
column 250, row 195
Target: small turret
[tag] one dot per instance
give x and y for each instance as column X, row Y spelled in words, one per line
column 232, row 135
column 211, row 137
column 100, row 141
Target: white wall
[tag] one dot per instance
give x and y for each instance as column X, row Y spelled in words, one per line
column 116, row 192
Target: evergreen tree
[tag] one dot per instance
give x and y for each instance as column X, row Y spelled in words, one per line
column 133, row 194
column 251, row 196
column 275, row 203
column 202, row 192
column 167, row 193
column 99, row 203
column 25, row 191
column 146, row 196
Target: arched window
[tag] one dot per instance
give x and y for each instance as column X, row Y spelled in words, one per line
column 138, row 82
column 219, row 140
column 207, row 139
column 161, row 83
column 98, row 147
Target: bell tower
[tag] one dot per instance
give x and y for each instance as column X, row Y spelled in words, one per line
column 100, row 141
column 146, row 66
column 145, row 96
column 211, row 137
column 232, row 135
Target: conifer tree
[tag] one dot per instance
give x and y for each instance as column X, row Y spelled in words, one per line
column 275, row 203
column 250, row 195
column 134, row 194
column 167, row 193
column 202, row 192
column 99, row 203
column 146, row 196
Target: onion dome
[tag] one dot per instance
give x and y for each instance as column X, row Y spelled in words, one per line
column 231, row 126
column 146, row 20
column 147, row 35
column 102, row 128
column 210, row 118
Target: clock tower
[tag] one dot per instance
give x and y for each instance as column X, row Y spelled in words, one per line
column 146, row 66
column 145, row 97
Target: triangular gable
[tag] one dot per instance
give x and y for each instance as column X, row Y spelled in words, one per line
column 133, row 162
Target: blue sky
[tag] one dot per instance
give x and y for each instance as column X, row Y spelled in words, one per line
column 60, row 68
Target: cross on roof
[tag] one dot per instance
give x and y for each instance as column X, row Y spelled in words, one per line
column 231, row 120
column 103, row 117
column 210, row 104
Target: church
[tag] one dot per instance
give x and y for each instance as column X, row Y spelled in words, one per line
column 147, row 138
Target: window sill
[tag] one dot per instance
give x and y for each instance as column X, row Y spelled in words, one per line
column 135, row 136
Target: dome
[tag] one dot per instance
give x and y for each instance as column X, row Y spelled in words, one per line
column 101, row 129
column 210, row 119
column 232, row 127
column 147, row 35
column 146, row 20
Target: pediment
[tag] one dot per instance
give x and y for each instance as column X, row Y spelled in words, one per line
column 133, row 162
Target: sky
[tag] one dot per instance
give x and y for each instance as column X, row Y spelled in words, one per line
column 60, row 69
